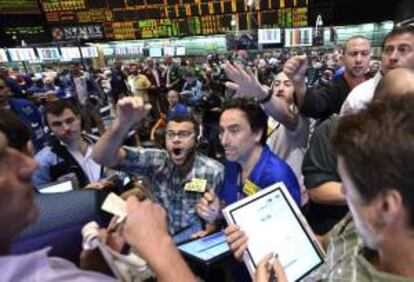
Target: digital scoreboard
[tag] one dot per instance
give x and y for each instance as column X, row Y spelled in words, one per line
column 142, row 19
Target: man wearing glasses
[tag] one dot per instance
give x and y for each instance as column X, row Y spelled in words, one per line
column 178, row 176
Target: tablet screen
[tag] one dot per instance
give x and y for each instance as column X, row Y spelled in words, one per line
column 271, row 224
column 207, row 248
column 185, row 233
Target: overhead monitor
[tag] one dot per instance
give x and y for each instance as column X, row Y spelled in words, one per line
column 169, row 50
column 70, row 53
column 155, row 52
column 296, row 37
column 108, row 51
column 22, row 54
column 134, row 50
column 128, row 51
column 180, row 51
column 89, row 52
column 270, row 36
column 121, row 51
column 48, row 53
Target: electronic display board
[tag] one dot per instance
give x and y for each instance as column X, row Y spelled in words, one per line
column 122, row 19
column 19, row 7
column 23, row 30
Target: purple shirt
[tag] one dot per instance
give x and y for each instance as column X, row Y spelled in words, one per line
column 37, row 266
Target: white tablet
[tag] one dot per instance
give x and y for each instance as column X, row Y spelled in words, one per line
column 273, row 223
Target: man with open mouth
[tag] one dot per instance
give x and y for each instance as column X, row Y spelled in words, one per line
column 178, row 176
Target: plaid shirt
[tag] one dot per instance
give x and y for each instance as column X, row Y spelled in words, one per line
column 346, row 258
column 168, row 187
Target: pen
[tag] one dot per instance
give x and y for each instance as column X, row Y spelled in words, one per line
column 273, row 276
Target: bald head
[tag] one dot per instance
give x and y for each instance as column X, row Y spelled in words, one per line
column 396, row 82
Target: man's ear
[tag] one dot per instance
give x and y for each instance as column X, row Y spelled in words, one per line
column 391, row 208
column 258, row 135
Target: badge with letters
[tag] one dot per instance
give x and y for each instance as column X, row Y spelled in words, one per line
column 196, row 185
column 249, row 188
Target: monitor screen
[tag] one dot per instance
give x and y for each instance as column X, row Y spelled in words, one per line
column 169, row 50
column 108, row 51
column 297, row 37
column 180, row 51
column 89, row 52
column 155, row 52
column 270, row 36
column 70, row 53
column 22, row 54
column 48, row 53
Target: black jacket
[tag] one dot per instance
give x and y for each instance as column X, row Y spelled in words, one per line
column 321, row 103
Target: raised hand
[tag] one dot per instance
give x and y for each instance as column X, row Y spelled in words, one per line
column 131, row 110
column 295, row 69
column 248, row 85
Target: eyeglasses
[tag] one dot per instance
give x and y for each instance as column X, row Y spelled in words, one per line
column 182, row 134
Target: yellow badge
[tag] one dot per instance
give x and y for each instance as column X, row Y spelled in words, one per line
column 196, row 185
column 249, row 188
